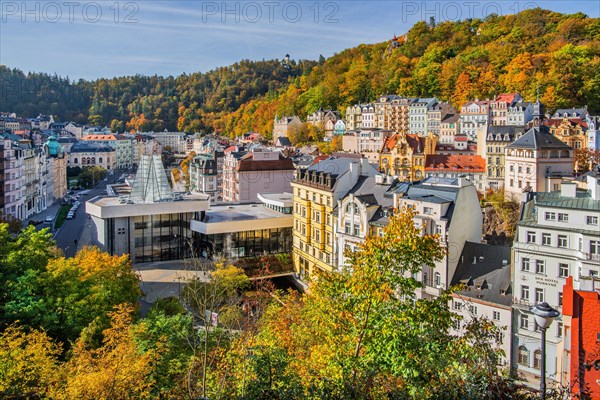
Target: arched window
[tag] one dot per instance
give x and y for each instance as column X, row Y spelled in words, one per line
column 564, row 154
column 523, row 356
column 537, row 359
column 75, row 161
column 418, row 174
column 93, row 160
column 100, row 160
column 349, row 208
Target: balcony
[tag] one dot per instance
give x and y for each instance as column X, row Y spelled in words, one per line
column 592, row 256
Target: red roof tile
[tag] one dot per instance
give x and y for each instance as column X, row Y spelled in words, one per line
column 455, row 162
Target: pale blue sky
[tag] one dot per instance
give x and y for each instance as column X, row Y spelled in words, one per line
column 91, row 39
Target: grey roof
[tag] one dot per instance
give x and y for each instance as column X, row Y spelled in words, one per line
column 90, row 147
column 67, row 139
column 570, row 112
column 538, row 137
column 284, row 141
column 371, row 193
column 582, row 201
column 512, row 130
column 486, row 279
column 333, row 165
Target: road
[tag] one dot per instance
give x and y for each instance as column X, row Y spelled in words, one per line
column 69, row 235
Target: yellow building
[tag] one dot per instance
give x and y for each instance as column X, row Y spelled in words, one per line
column 403, row 155
column 316, row 192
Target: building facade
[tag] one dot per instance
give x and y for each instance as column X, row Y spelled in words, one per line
column 557, row 236
column 88, row 154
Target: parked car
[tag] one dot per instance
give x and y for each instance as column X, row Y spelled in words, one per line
column 49, row 218
column 70, row 215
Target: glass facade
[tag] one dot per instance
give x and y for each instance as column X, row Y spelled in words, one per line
column 162, row 237
column 246, row 244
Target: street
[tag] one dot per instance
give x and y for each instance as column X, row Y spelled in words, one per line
column 77, row 232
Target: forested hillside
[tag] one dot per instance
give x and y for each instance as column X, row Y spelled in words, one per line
column 537, row 49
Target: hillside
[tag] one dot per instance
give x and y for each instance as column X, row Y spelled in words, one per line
column 536, row 49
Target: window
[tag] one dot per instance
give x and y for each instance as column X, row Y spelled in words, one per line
column 594, row 246
column 438, row 280
column 563, row 217
column 525, row 292
column 591, row 220
column 457, row 305
column 560, row 298
column 473, row 310
column 546, row 239
column 530, row 237
column 525, row 264
column 524, row 322
column 540, row 267
column 539, row 295
column 523, row 356
column 427, row 210
column 356, row 230
column 550, row 216
column 348, row 228
column 496, row 315
column 537, row 359
column 559, row 329
column 456, row 325
column 562, row 241
column 563, row 270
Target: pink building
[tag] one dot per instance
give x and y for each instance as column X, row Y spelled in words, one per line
column 259, row 171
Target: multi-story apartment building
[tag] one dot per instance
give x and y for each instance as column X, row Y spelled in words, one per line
column 474, row 116
column 536, row 161
column 557, row 236
column 122, row 144
column 175, row 141
column 321, row 117
column 520, row 113
column 42, row 122
column 383, row 111
column 259, row 171
column 281, row 126
column 74, row 129
column 450, row 208
column 435, row 114
column 353, row 117
column 449, row 128
column 417, row 111
column 317, row 191
column 580, row 113
column 206, row 174
column 362, row 212
column 491, row 146
column 144, row 145
column 367, row 141
column 88, row 154
column 12, row 183
column 571, row 131
column 485, row 272
column 500, row 106
column 470, row 167
column 30, row 180
column 403, row 155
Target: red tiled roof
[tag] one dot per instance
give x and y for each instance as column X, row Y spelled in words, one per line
column 389, row 143
column 572, row 121
column 230, row 149
column 416, row 142
column 455, row 162
column 506, row 98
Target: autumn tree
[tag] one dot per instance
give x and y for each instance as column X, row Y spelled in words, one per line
column 28, row 363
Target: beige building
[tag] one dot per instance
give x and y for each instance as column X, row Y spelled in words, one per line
column 282, row 126
column 88, row 154
column 367, row 142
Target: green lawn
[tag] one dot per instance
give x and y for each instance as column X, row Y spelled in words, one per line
column 62, row 214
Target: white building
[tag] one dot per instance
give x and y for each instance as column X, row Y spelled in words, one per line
column 474, row 116
column 122, row 144
column 520, row 113
column 448, row 207
column 175, row 141
column 362, row 211
column 417, row 115
column 151, row 223
column 366, row 141
column 593, row 132
column 206, row 175
column 536, row 161
column 558, row 235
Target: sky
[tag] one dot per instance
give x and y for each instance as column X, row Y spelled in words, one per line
column 94, row 39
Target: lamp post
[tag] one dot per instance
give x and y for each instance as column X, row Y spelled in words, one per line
column 543, row 314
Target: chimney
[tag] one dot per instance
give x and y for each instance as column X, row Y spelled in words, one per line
column 568, row 189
